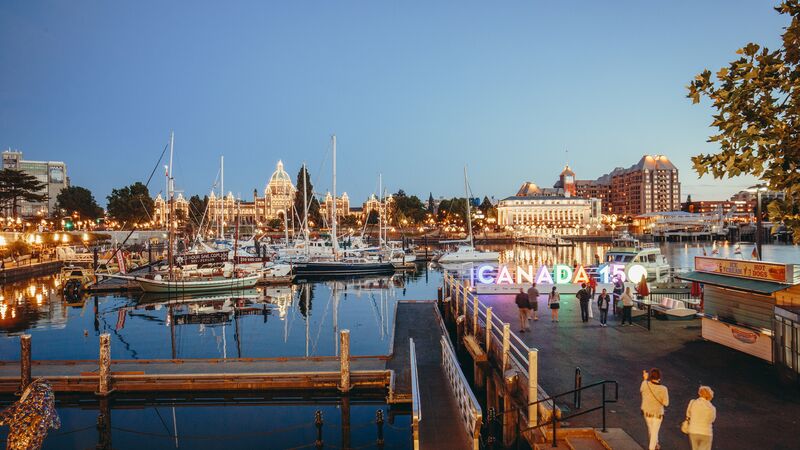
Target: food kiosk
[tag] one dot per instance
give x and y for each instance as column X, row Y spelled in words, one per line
column 743, row 303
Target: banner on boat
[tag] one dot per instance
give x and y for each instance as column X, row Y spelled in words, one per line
column 251, row 259
column 203, row 258
column 559, row 274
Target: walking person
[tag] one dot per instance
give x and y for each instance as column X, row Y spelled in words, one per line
column 619, row 287
column 583, row 298
column 553, row 300
column 592, row 288
column 533, row 299
column 700, row 417
column 603, row 301
column 655, row 397
column 627, row 306
column 524, row 308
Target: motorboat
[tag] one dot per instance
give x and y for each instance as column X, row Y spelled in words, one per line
column 629, row 251
column 467, row 253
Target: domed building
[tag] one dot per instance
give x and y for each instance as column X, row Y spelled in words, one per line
column 278, row 194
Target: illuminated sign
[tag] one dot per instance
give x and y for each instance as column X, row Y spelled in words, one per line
column 754, row 270
column 560, row 274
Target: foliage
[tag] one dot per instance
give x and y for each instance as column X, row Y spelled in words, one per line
column 408, row 208
column 275, row 224
column 452, row 209
column 757, row 103
column 17, row 186
column 349, row 221
column 197, row 209
column 487, row 208
column 131, row 203
column 372, row 218
column 314, row 215
column 431, row 204
column 15, row 248
column 80, row 199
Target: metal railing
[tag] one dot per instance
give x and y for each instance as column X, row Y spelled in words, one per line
column 471, row 413
column 416, row 408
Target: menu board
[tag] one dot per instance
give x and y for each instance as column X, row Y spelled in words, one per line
column 753, row 270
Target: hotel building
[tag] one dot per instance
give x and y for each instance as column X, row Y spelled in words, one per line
column 52, row 173
column 548, row 211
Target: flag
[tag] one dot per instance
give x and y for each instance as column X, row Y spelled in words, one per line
column 704, row 251
column 737, row 250
column 714, row 249
column 121, row 261
column 121, row 319
column 754, row 255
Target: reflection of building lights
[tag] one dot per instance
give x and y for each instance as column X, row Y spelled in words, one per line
column 65, row 238
column 3, row 309
column 39, row 299
column 32, row 290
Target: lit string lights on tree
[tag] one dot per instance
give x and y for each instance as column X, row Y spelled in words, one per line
column 30, row 418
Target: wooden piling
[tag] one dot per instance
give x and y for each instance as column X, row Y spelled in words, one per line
column 488, row 331
column 104, row 387
column 475, row 316
column 24, row 361
column 506, row 344
column 344, row 360
column 533, row 386
column 510, row 419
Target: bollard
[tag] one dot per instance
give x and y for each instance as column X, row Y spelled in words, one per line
column 439, row 295
column 475, row 316
column 576, row 398
column 379, row 421
column 533, row 387
column 490, row 426
column 344, row 360
column 318, row 424
column 24, row 361
column 506, row 344
column 105, row 365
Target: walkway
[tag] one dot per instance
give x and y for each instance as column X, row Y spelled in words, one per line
column 754, row 411
column 441, row 426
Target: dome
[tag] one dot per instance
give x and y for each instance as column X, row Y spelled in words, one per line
column 529, row 189
column 279, row 175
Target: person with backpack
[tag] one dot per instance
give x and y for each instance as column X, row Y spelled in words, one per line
column 583, row 297
column 655, row 397
column 603, row 301
column 524, row 309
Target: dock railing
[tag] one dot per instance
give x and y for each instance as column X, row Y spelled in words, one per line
column 500, row 344
column 471, row 413
column 416, row 405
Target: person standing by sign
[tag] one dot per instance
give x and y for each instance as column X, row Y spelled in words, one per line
column 583, row 297
column 655, row 398
column 618, row 288
column 627, row 306
column 603, row 300
column 553, row 300
column 533, row 299
column 700, row 417
column 524, row 308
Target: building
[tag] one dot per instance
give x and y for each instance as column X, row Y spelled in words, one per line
column 342, row 206
column 547, row 211
column 161, row 209
column 651, row 185
column 52, row 173
column 714, row 206
column 750, row 197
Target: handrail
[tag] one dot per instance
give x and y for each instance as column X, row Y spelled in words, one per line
column 416, row 415
column 471, row 413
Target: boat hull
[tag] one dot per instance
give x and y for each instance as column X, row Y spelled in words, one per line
column 342, row 269
column 192, row 286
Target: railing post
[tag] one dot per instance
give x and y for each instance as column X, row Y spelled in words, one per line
column 506, row 344
column 576, row 397
column 344, row 360
column 104, row 387
column 533, row 387
column 475, row 316
column 24, row 361
column 455, row 297
column 553, row 418
column 318, row 424
column 488, row 330
column 604, row 407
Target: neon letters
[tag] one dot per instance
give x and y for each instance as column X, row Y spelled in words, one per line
column 560, row 274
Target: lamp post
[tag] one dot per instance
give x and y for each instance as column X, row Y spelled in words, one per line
column 758, row 189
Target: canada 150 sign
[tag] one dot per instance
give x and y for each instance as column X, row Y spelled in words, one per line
column 561, row 274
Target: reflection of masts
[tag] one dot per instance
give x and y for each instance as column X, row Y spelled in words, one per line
column 175, row 426
column 336, row 318
column 172, row 331
column 308, row 316
column 236, row 336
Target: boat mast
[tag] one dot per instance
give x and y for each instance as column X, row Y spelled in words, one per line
column 222, row 196
column 171, row 189
column 469, row 216
column 305, row 206
column 380, row 210
column 333, row 208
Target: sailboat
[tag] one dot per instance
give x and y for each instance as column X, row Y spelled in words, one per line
column 340, row 263
column 176, row 282
column 468, row 253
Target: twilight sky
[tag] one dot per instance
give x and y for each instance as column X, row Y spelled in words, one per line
column 414, row 90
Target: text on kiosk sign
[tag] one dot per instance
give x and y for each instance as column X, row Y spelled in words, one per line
column 561, row 274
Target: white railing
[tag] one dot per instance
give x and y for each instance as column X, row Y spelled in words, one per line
column 416, row 414
column 471, row 413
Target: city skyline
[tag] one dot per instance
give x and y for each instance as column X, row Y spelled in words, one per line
column 414, row 94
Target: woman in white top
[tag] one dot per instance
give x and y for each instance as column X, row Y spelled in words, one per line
column 627, row 306
column 655, row 398
column 701, row 415
column 553, row 300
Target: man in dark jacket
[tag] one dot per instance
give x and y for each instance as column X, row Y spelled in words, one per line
column 583, row 297
column 524, row 309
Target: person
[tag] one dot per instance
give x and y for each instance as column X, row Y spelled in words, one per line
column 583, row 298
column 533, row 299
column 592, row 286
column 655, row 397
column 603, row 300
column 524, row 307
column 618, row 288
column 627, row 306
column 553, row 300
column 701, row 415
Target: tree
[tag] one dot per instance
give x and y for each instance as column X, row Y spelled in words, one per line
column 130, row 203
column 406, row 208
column 453, row 209
column 80, row 199
column 431, row 204
column 17, row 186
column 372, row 217
column 311, row 200
column 487, row 208
column 197, row 210
column 349, row 221
column 757, row 103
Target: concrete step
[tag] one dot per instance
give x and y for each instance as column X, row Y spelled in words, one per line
column 584, row 443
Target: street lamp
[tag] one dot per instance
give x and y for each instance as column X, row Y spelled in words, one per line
column 758, row 189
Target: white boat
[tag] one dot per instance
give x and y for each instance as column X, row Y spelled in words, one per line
column 468, row 253
column 629, row 251
column 192, row 285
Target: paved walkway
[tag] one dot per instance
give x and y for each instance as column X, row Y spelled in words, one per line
column 440, row 427
column 753, row 410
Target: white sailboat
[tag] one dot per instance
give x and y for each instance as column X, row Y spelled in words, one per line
column 467, row 252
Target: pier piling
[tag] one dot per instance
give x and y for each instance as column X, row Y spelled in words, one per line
column 344, row 360
column 104, row 387
column 24, row 361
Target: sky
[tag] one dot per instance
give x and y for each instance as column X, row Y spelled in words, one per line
column 414, row 90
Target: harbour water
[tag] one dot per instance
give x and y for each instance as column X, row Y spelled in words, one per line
column 297, row 320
